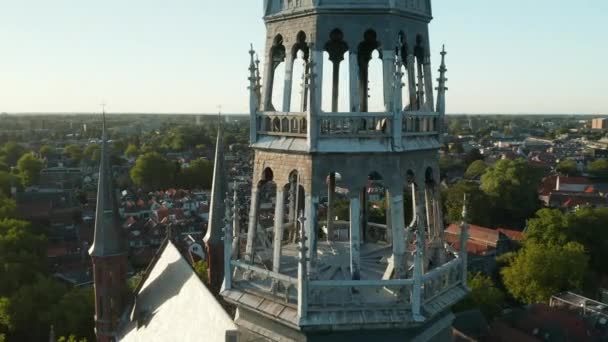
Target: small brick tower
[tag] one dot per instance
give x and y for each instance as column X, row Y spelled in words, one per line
column 108, row 253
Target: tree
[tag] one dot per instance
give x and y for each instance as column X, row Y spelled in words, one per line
column 71, row 338
column 473, row 156
column 132, row 151
column 73, row 313
column 7, row 181
column 598, row 168
column 539, row 271
column 22, row 255
column 153, row 171
column 484, row 296
column 46, row 151
column 586, row 226
column 568, row 167
column 476, row 169
column 479, row 207
column 511, row 186
column 12, row 152
column 198, row 175
column 29, row 168
column 29, row 309
column 93, row 152
column 74, row 152
column 456, row 147
column 202, row 270
column 8, row 207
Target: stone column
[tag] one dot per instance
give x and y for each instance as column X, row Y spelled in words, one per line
column 268, row 84
column 310, row 207
column 428, row 82
column 388, row 214
column 302, row 274
column 331, row 191
column 398, row 237
column 288, row 83
column 335, row 90
column 363, row 211
column 420, row 92
column 419, row 253
column 411, row 80
column 355, row 237
column 253, row 224
column 354, row 83
column 388, row 68
column 317, row 74
column 279, row 213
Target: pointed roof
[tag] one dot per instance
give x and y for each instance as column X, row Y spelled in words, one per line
column 173, row 304
column 218, row 191
column 108, row 239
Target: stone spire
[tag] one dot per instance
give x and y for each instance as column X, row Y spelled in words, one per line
column 213, row 237
column 441, row 89
column 108, row 239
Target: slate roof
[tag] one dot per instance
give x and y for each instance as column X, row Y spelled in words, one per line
column 173, row 304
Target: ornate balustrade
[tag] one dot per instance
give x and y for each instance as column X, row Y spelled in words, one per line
column 420, row 123
column 441, row 279
column 253, row 278
column 361, row 293
column 355, row 125
column 282, row 124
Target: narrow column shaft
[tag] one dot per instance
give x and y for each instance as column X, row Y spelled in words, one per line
column 227, row 257
column 364, row 86
column 411, row 80
column 253, row 224
column 310, row 208
column 354, row 83
column 355, row 238
column 335, row 90
column 420, row 96
column 363, row 211
column 279, row 212
column 331, row 191
column 398, row 237
column 419, row 253
column 305, row 89
column 428, row 82
column 288, row 83
column 268, row 84
column 388, row 67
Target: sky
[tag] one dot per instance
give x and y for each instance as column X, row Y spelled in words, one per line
column 191, row 56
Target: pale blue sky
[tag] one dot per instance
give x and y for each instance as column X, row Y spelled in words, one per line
column 517, row 56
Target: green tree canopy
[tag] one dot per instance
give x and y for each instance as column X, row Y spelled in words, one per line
column 92, row 152
column 29, row 168
column 132, row 151
column 29, row 309
column 473, row 156
column 46, row 151
column 511, row 186
column 198, row 175
column 586, row 226
column 484, row 296
column 73, row 313
column 539, row 271
column 476, row 169
column 479, row 206
column 11, row 151
column 153, row 171
column 202, row 270
column 568, row 167
column 8, row 180
column 73, row 152
column 598, row 168
column 8, row 207
column 22, row 255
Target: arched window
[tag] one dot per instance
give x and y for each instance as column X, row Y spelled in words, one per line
column 298, row 98
column 277, row 57
column 335, row 72
column 365, row 52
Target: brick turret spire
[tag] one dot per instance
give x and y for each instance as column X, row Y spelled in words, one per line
column 108, row 253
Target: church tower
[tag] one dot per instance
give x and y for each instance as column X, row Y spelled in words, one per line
column 345, row 236
column 108, row 253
